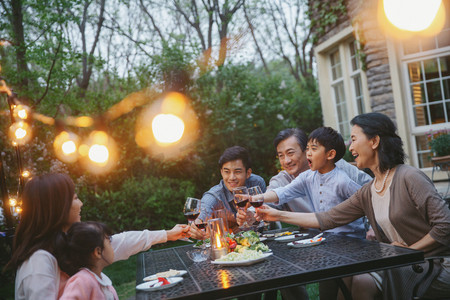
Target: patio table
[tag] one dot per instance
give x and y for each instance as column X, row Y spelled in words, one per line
column 338, row 256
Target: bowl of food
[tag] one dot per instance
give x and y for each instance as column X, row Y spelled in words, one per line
column 198, row 255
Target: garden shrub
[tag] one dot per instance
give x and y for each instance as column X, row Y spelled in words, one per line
column 145, row 203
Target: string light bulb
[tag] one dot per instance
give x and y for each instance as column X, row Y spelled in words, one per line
column 21, row 112
column 12, row 202
column 66, row 146
column 98, row 152
column 26, row 174
column 20, row 133
column 167, row 128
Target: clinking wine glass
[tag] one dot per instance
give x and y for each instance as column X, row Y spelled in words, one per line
column 256, row 201
column 241, row 198
column 191, row 209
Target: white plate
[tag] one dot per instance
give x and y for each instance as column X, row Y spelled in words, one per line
column 200, row 247
column 305, row 243
column 290, row 238
column 152, row 277
column 278, row 234
column 242, row 262
column 147, row 286
column 262, row 239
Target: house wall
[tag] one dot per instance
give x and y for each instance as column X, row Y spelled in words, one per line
column 382, row 82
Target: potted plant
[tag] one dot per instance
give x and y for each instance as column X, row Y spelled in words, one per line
column 440, row 144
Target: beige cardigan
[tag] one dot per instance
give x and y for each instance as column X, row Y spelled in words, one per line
column 415, row 209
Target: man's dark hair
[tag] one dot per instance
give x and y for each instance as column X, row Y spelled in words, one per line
column 287, row 133
column 390, row 151
column 235, row 153
column 330, row 139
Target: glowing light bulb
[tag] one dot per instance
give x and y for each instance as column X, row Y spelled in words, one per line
column 411, row 15
column 18, row 209
column 21, row 111
column 12, row 202
column 69, row 147
column 99, row 154
column 167, row 128
column 25, row 174
column 20, row 133
column 65, row 146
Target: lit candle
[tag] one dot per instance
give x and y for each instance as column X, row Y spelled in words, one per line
column 218, row 245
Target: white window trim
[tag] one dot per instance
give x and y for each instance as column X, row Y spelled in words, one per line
column 424, row 129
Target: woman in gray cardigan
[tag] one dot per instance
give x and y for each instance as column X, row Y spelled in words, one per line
column 401, row 204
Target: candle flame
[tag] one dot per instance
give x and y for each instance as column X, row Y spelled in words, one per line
column 218, row 242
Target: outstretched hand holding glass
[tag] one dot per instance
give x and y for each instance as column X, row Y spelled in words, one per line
column 257, row 196
column 192, row 209
column 241, row 198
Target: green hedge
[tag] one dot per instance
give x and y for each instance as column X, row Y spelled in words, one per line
column 149, row 202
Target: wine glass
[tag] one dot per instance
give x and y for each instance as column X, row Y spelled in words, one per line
column 191, row 209
column 241, row 198
column 255, row 201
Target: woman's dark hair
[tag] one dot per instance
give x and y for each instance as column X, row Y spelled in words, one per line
column 74, row 248
column 46, row 203
column 330, row 139
column 235, row 153
column 301, row 137
column 390, row 151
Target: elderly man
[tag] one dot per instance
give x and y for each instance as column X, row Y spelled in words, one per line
column 235, row 168
column 291, row 145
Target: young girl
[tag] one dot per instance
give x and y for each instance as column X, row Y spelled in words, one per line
column 51, row 206
column 83, row 253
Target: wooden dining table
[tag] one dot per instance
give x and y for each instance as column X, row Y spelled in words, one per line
column 338, row 256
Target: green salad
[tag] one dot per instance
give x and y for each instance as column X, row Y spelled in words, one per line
column 202, row 242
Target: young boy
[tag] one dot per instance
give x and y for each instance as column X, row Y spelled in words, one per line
column 325, row 184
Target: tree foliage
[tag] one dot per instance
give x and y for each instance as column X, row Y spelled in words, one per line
column 81, row 57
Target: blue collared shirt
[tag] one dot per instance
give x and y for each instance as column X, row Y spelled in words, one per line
column 325, row 191
column 220, row 197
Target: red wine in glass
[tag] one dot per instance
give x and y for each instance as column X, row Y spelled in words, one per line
column 257, row 203
column 242, row 203
column 201, row 225
column 192, row 215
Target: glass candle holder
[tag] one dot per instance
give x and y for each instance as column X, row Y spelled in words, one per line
column 219, row 245
column 222, row 214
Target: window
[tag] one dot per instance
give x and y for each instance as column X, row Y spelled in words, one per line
column 346, row 84
column 427, row 63
column 337, row 85
column 355, row 75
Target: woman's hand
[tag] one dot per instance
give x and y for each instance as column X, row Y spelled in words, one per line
column 267, row 213
column 395, row 243
column 370, row 235
column 179, row 231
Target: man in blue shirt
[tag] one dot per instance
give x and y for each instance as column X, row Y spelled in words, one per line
column 235, row 168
